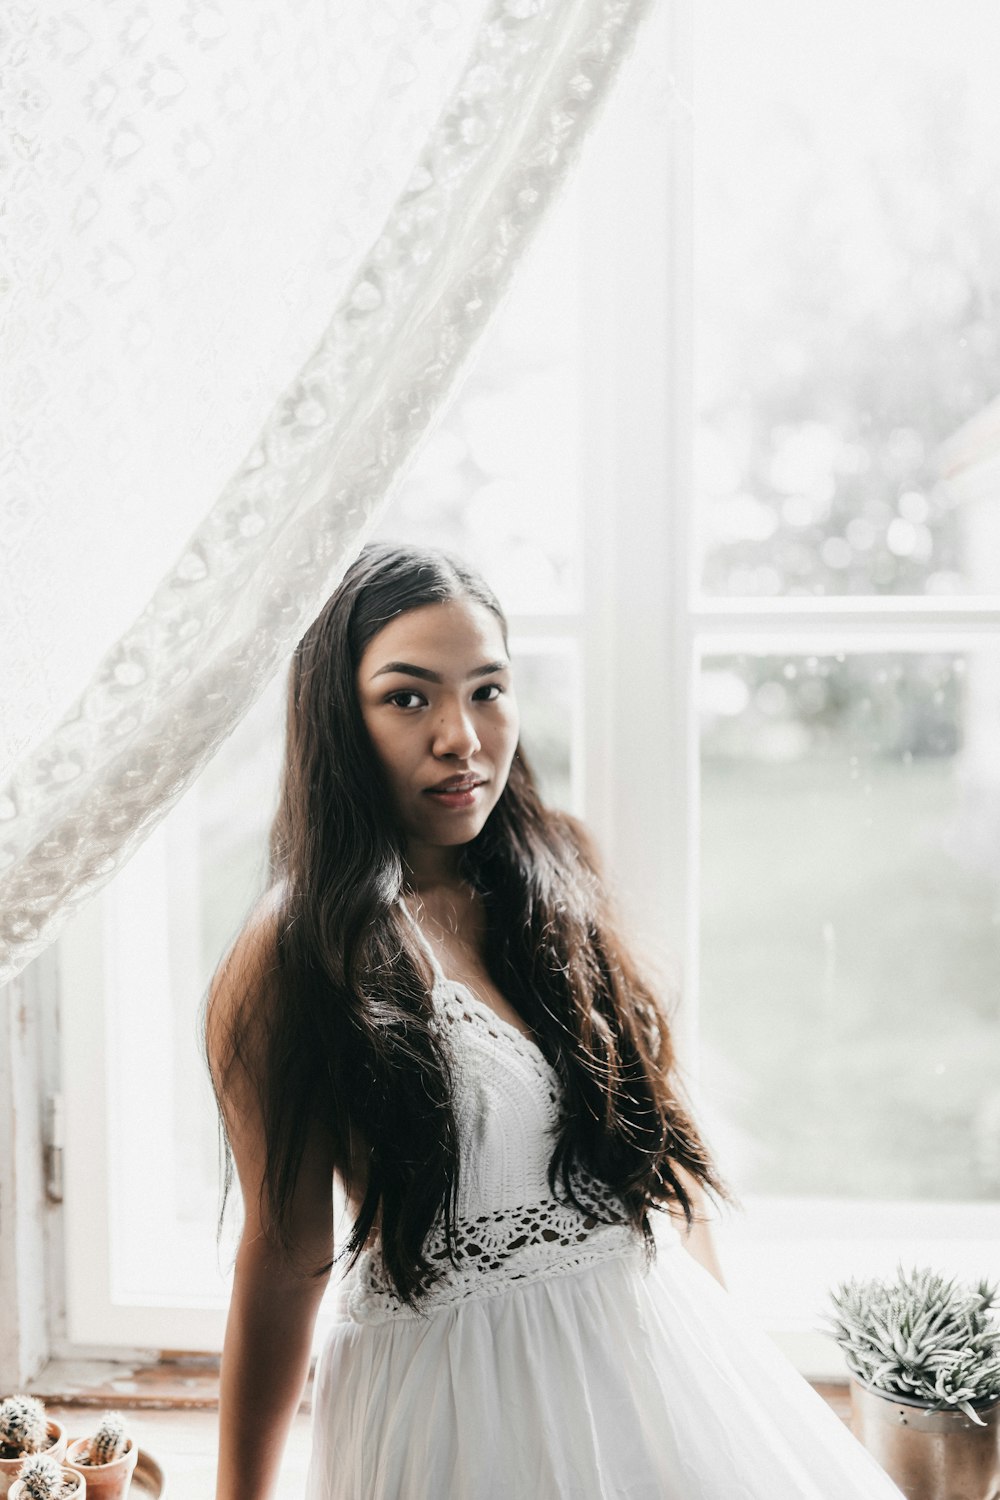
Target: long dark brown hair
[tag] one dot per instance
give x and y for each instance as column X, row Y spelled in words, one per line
column 340, row 1033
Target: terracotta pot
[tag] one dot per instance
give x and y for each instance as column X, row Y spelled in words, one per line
column 105, row 1481
column 10, row 1466
column 16, row 1491
column 931, row 1455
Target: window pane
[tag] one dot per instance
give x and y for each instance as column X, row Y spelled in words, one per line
column 851, row 922
column 498, row 480
column 848, row 290
column 551, row 707
column 236, row 798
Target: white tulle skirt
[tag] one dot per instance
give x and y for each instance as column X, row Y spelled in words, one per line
column 609, row 1381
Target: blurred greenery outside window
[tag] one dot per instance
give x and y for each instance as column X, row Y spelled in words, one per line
column 847, row 452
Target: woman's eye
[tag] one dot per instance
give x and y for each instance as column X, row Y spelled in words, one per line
column 405, row 693
column 493, row 688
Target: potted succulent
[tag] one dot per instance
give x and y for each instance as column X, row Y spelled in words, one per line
column 42, row 1477
column 924, row 1358
column 108, row 1458
column 24, row 1429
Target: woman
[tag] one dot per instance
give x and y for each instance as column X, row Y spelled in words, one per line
column 434, row 1006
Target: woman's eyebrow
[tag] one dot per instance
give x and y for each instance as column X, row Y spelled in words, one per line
column 409, row 670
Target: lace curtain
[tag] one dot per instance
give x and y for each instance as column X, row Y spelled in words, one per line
column 249, row 249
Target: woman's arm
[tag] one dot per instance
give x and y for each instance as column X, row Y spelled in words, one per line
column 697, row 1239
column 265, row 1363
column 272, row 1312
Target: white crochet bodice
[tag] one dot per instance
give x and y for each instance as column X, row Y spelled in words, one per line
column 510, row 1227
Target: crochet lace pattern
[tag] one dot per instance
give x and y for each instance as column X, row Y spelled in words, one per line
column 510, row 1228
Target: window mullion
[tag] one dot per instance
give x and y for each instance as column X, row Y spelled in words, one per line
column 884, row 623
column 641, row 778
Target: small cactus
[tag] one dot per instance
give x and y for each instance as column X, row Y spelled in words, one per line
column 108, row 1442
column 42, row 1477
column 22, row 1424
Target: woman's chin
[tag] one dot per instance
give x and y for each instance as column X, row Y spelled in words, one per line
column 460, row 833
column 455, row 827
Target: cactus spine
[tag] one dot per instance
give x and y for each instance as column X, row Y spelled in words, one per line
column 108, row 1442
column 42, row 1477
column 22, row 1424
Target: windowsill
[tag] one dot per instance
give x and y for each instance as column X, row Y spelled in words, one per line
column 183, row 1442
column 189, row 1382
column 173, row 1416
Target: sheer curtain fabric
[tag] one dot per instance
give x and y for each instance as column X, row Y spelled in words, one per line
column 248, row 250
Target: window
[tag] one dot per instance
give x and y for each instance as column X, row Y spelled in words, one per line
column 743, row 521
column 848, row 365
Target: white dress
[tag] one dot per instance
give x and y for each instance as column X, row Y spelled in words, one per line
column 553, row 1365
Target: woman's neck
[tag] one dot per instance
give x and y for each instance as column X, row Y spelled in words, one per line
column 430, row 868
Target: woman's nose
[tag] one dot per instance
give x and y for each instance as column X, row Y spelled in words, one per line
column 454, row 734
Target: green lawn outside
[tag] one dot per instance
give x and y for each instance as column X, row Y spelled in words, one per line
column 850, row 979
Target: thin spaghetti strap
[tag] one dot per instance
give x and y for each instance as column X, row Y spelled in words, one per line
column 424, row 942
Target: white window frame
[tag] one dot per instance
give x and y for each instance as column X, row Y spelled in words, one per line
column 643, row 633
column 96, row 1316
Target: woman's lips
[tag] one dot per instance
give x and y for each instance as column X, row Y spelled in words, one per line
column 461, row 796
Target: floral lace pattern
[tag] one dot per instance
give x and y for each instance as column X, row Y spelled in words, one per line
column 519, row 88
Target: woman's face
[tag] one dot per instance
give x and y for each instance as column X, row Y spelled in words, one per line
column 437, row 699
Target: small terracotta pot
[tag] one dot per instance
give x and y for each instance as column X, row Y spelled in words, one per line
column 105, row 1481
column 931, row 1455
column 10, row 1466
column 16, row 1491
